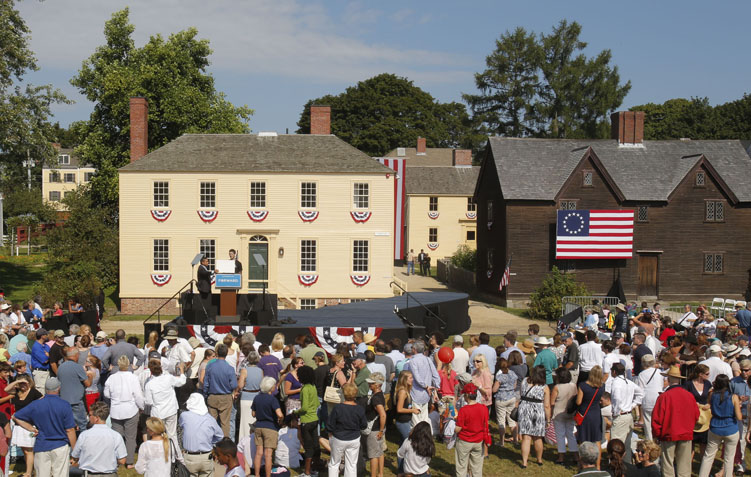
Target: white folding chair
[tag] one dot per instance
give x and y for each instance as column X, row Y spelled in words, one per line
column 729, row 306
column 717, row 305
column 741, row 303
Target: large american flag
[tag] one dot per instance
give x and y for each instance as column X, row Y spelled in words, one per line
column 594, row 234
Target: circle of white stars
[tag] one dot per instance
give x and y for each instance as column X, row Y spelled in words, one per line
column 573, row 230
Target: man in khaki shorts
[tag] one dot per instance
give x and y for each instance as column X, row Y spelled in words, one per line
column 268, row 416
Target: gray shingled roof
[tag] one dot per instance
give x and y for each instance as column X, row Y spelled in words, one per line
column 536, row 169
column 253, row 153
column 74, row 161
column 434, row 156
column 441, row 180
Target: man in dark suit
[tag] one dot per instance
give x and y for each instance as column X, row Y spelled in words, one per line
column 421, row 260
column 203, row 282
column 233, row 256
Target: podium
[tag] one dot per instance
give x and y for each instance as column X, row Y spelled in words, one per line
column 228, row 284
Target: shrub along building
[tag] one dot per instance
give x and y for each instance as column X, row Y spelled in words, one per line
column 318, row 211
column 440, row 213
column 691, row 203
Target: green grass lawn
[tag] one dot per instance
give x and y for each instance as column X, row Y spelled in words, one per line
column 18, row 275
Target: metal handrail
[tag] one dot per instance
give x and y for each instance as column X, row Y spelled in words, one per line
column 418, row 301
column 177, row 294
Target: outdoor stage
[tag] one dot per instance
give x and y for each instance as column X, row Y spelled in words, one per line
column 412, row 315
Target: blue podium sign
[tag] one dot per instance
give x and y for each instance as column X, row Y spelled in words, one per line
column 228, row 280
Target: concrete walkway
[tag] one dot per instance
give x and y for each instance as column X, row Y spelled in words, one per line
column 484, row 317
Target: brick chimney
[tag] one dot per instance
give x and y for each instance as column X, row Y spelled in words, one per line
column 462, row 157
column 139, row 128
column 627, row 127
column 320, row 119
column 421, row 146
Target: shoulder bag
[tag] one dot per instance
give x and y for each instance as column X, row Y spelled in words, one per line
column 514, row 415
column 333, row 394
column 177, row 468
column 579, row 417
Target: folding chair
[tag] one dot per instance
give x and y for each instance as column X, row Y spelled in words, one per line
column 717, row 304
column 729, row 306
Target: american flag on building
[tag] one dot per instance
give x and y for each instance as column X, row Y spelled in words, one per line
column 506, row 276
column 594, row 234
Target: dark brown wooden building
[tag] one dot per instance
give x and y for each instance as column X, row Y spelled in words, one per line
column 692, row 220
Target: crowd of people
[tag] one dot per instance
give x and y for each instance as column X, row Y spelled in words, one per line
column 649, row 391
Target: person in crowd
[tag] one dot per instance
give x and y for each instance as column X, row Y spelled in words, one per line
column 483, row 379
column 225, row 452
column 546, row 358
column 461, row 357
column 359, row 377
column 625, row 395
column 249, row 385
column 74, row 380
column 155, row 455
column 647, row 453
column 121, row 347
column 700, row 387
column 505, row 398
column 277, row 345
column 93, row 367
column 346, row 420
column 417, row 450
column 336, row 376
column 100, row 346
column 471, row 433
column 474, row 342
column 616, row 466
column 159, row 394
column 51, row 421
column 651, row 381
column 673, row 419
column 20, row 337
column 200, row 433
column 534, row 413
column 723, row 427
column 23, row 393
column 589, row 458
column 208, row 356
column 562, row 394
column 309, row 350
column 291, row 385
column 425, row 379
column 126, row 398
column 587, row 401
column 716, row 364
column 270, row 365
column 590, row 355
column 220, row 388
column 308, row 414
column 404, row 409
column 376, row 414
column 486, row 350
column 268, row 415
column 739, row 386
column 40, row 359
column 152, row 343
column 99, row 450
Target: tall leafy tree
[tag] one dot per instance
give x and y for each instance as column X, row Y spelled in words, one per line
column 388, row 111
column 24, row 108
column 544, row 86
column 171, row 74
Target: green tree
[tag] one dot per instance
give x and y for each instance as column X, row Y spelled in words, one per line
column 24, row 108
column 677, row 118
column 544, row 86
column 170, row 74
column 388, row 111
column 545, row 302
column 22, row 201
column 465, row 257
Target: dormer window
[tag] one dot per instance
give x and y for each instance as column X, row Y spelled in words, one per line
column 63, row 159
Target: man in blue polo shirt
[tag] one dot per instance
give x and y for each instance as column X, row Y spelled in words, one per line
column 40, row 360
column 51, row 421
column 219, row 385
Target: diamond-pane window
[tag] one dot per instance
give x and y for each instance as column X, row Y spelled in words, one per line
column 642, row 214
column 587, row 179
column 714, row 211
column 567, row 205
column 714, row 263
column 718, row 262
column 700, row 179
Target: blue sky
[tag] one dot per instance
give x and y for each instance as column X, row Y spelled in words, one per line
column 274, row 55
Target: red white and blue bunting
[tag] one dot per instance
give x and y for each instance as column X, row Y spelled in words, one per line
column 307, row 280
column 433, row 215
column 471, row 215
column 160, row 280
column 160, row 215
column 210, row 335
column 360, row 217
column 308, row 215
column 208, row 215
column 432, row 245
column 360, row 280
column 329, row 337
column 258, row 215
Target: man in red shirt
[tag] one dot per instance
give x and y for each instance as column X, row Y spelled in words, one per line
column 472, row 431
column 673, row 420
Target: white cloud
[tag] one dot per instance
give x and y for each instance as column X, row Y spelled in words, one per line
column 291, row 38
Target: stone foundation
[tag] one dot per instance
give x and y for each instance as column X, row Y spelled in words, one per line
column 147, row 306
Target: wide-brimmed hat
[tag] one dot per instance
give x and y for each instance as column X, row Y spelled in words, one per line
column 376, row 378
column 193, row 342
column 732, row 351
column 171, row 334
column 528, row 346
column 674, row 372
column 702, row 424
column 368, row 338
column 542, row 341
column 620, row 306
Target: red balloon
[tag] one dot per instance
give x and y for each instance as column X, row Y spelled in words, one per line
column 446, row 355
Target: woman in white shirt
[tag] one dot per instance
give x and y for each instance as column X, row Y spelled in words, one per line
column 126, row 399
column 416, row 451
column 277, row 346
column 154, row 459
column 159, row 393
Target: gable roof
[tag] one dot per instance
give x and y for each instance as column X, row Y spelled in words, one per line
column 73, row 160
column 441, row 180
column 434, row 156
column 536, row 169
column 252, row 153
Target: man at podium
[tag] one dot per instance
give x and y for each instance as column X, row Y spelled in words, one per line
column 233, row 257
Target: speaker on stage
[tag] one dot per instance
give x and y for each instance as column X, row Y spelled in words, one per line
column 261, row 317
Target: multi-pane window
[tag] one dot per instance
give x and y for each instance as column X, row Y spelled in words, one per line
column 258, row 195
column 208, row 195
column 587, row 179
column 701, row 179
column 490, row 258
column 642, row 213
column 307, row 303
column 308, row 195
column 87, row 176
column 63, row 159
column 55, row 176
column 54, row 195
column 67, row 193
column 714, row 262
column 714, row 211
column 161, row 255
column 207, row 247
column 470, row 235
column 361, row 195
column 360, row 256
column 433, row 204
column 308, row 254
column 490, row 210
column 70, row 177
column 471, row 204
column 433, row 234
column 161, row 194
column 567, row 204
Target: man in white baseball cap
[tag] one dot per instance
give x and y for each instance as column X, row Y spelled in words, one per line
column 716, row 364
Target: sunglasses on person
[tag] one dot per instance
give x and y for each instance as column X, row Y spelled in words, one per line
column 478, row 361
